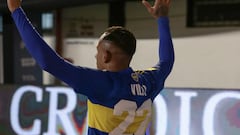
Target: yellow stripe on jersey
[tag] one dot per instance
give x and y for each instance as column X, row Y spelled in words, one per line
column 152, row 68
column 103, row 119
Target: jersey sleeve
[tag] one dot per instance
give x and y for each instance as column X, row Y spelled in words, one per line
column 166, row 52
column 83, row 80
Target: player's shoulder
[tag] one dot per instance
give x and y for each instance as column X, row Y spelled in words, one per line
column 142, row 72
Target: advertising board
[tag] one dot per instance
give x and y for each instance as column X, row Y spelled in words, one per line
column 55, row 110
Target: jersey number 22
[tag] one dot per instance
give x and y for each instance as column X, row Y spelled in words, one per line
column 133, row 111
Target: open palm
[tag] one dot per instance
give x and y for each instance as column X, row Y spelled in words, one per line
column 160, row 7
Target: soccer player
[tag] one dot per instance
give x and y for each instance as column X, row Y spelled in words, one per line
column 119, row 98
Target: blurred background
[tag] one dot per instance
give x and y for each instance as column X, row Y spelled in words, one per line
column 206, row 41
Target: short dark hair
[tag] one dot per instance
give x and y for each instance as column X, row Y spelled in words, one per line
column 122, row 38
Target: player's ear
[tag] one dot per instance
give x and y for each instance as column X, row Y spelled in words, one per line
column 107, row 56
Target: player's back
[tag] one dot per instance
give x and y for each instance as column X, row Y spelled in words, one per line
column 124, row 109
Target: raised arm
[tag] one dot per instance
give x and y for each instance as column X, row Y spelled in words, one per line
column 47, row 58
column 166, row 52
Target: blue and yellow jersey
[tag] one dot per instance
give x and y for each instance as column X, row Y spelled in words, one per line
column 118, row 102
column 124, row 105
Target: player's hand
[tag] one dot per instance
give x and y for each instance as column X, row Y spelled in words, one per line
column 13, row 4
column 159, row 9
